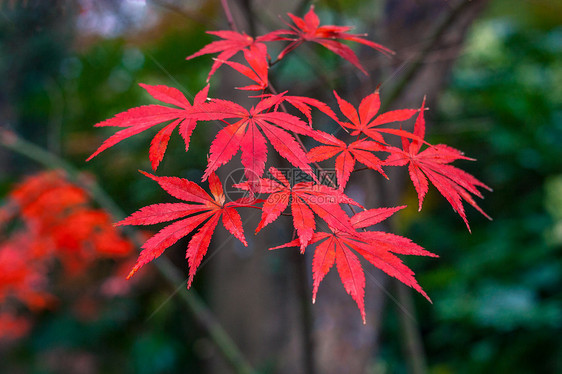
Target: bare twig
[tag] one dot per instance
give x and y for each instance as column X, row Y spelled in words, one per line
column 306, row 313
column 413, row 344
column 228, row 15
column 250, row 16
column 413, row 69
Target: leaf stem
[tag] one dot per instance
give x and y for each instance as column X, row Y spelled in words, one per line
column 303, row 291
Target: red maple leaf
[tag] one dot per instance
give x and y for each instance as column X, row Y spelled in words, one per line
column 139, row 119
column 309, row 29
column 362, row 121
column 247, row 134
column 202, row 209
column 304, row 105
column 433, row 164
column 340, row 248
column 306, row 198
column 232, row 43
column 256, row 56
column 360, row 150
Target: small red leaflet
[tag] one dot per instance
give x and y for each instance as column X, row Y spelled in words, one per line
column 256, row 56
column 247, row 134
column 304, row 104
column 139, row 119
column 360, row 150
column 306, row 199
column 362, row 122
column 377, row 247
column 232, row 43
column 308, row 29
column 433, row 163
column 202, row 209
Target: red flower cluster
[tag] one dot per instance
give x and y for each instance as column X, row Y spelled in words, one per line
column 47, row 219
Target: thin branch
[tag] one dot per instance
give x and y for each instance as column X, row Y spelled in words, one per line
column 250, row 16
column 303, row 291
column 228, row 15
column 413, row 69
column 167, row 270
column 205, row 317
column 413, row 344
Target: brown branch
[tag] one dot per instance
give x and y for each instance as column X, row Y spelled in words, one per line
column 413, row 344
column 250, row 16
column 413, row 69
column 228, row 15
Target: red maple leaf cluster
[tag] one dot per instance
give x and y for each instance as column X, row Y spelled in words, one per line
column 318, row 208
column 46, row 220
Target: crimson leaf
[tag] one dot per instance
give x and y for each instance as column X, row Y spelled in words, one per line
column 201, row 209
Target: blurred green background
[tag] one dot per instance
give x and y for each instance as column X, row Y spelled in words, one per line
column 497, row 292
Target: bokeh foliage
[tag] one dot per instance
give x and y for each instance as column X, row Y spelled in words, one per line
column 497, row 292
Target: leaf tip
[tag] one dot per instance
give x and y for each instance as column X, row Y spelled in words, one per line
column 133, row 271
column 189, row 281
column 466, row 222
column 363, row 315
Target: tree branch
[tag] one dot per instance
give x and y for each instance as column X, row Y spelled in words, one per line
column 413, row 345
column 228, row 15
column 413, row 69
